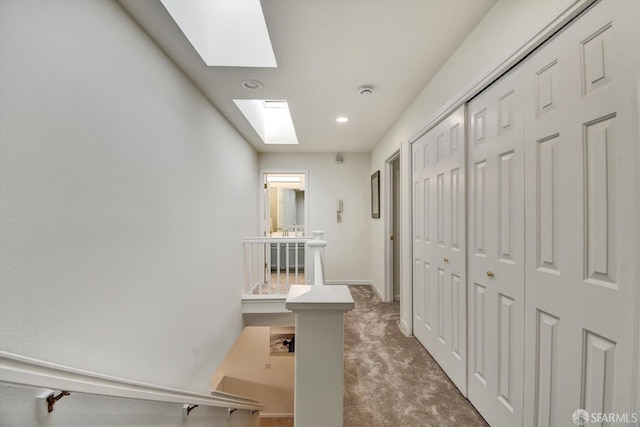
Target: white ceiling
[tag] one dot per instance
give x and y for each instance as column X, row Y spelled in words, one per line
column 325, row 50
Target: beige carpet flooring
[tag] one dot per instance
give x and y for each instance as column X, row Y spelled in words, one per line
column 390, row 379
column 281, row 287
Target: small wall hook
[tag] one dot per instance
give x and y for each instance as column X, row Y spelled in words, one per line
column 52, row 399
column 231, row 411
column 186, row 409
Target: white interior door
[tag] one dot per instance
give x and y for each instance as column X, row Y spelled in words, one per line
column 553, row 221
column 439, row 245
column 582, row 140
column 496, row 251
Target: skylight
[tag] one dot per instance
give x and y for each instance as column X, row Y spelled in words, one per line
column 271, row 119
column 229, row 33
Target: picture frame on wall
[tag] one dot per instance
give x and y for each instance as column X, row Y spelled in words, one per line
column 375, row 195
column 282, row 340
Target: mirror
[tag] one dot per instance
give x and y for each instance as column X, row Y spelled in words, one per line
column 286, row 209
column 286, row 204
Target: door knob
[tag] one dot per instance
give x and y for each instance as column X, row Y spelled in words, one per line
column 490, row 274
column 446, row 260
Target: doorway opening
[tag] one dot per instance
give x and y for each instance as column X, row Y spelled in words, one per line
column 392, row 228
column 285, row 201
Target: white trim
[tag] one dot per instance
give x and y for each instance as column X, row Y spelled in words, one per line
column 258, row 304
column 406, row 239
column 388, row 227
column 636, row 115
column 275, row 415
column 22, row 370
column 404, row 328
column 349, row 282
column 557, row 18
column 259, row 299
column 282, row 240
column 377, row 291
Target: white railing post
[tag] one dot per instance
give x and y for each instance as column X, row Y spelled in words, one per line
column 315, row 255
column 319, row 363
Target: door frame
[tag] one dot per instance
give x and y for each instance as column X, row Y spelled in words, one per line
column 263, row 172
column 388, row 224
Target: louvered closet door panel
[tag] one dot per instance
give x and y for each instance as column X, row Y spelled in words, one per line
column 581, row 142
column 496, row 251
column 439, row 245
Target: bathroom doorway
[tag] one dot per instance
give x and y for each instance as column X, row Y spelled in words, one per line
column 284, row 206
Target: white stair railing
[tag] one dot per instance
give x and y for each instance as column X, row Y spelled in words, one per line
column 319, row 368
column 273, row 264
column 316, row 259
column 319, row 324
column 61, row 381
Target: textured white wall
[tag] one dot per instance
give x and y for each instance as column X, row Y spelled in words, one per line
column 124, row 196
column 500, row 30
column 347, row 252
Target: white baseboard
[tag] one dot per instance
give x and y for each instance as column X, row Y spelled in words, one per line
column 348, row 282
column 275, row 415
column 377, row 291
column 404, row 328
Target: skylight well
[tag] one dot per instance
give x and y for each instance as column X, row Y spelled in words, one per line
column 271, row 119
column 229, row 33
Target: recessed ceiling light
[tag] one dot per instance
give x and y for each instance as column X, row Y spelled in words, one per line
column 251, row 84
column 342, row 119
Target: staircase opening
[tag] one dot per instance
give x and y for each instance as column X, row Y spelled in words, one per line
column 261, row 366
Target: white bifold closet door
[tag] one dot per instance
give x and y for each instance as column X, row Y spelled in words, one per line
column 439, row 301
column 580, row 185
column 551, row 260
column 496, row 251
column 552, row 284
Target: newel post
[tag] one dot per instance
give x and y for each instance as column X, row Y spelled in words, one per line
column 315, row 253
column 319, row 363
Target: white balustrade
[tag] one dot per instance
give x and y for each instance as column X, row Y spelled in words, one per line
column 316, row 258
column 319, row 322
column 273, row 264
